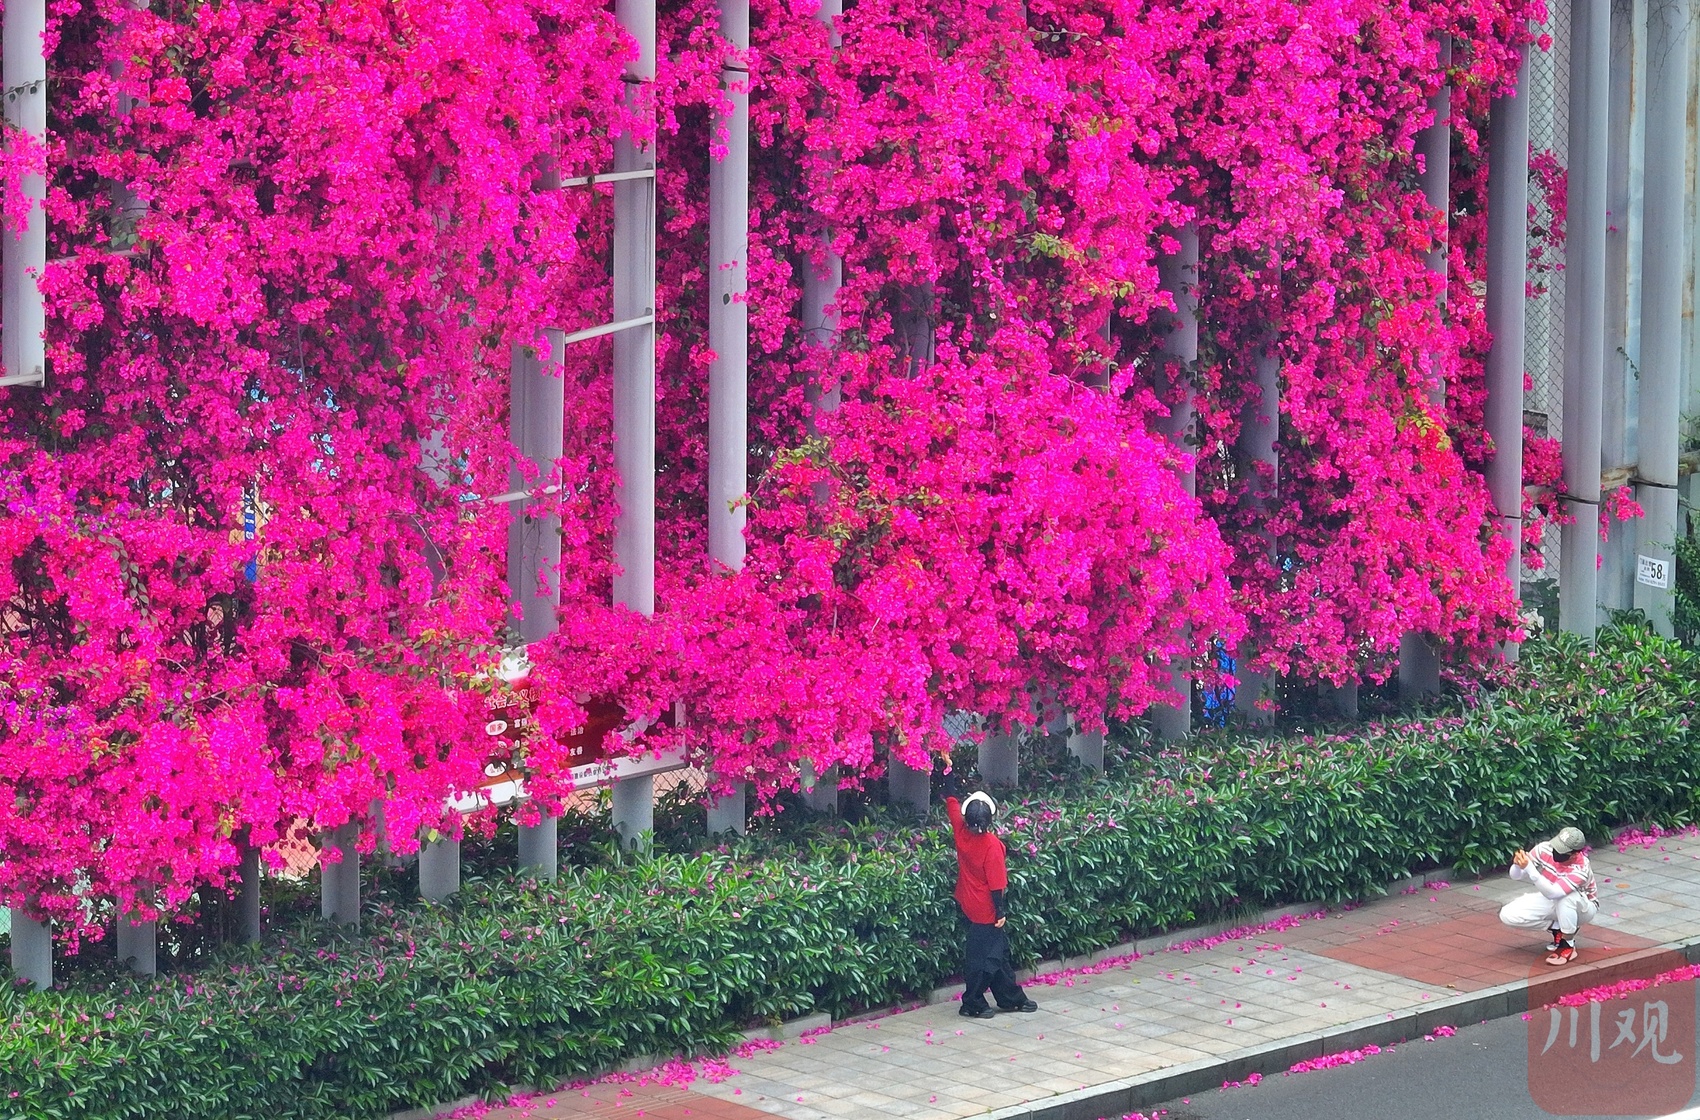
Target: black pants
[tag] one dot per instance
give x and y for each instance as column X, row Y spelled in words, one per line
column 986, row 965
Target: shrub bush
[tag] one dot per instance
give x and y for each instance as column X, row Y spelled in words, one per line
column 517, row 982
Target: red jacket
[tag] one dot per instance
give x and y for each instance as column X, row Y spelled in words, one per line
column 980, row 867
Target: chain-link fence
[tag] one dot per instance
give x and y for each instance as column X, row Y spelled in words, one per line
column 1543, row 354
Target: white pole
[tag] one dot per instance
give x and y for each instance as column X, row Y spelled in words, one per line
column 729, row 339
column 1662, row 268
column 820, row 288
column 634, row 380
column 728, row 314
column 1419, row 668
column 23, row 255
column 536, row 423
column 536, row 426
column 1178, row 273
column 1507, row 266
column 1584, row 310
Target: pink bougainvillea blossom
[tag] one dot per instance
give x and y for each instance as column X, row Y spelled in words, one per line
column 251, row 594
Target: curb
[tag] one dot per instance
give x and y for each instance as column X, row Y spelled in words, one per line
column 1113, row 1098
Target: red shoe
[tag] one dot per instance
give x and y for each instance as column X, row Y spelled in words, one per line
column 1564, row 954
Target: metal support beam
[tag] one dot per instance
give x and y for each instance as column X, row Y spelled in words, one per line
column 1584, row 310
column 1662, row 268
column 634, row 377
column 536, row 422
column 23, row 255
column 1507, row 267
column 728, row 313
column 1178, row 273
column 339, row 883
column 32, row 950
column 439, row 869
column 729, row 338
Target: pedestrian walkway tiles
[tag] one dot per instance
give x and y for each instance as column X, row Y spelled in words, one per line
column 1126, row 1017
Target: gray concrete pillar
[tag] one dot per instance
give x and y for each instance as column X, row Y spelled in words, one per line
column 249, row 911
column 1662, row 275
column 634, row 809
column 1341, row 699
column 1584, row 310
column 1622, row 333
column 730, row 812
column 1434, row 144
column 1507, row 268
column 339, row 883
column 1088, row 747
column 32, row 950
column 1260, row 432
column 909, row 787
column 136, row 944
column 540, row 848
column 1178, row 273
column 1419, row 668
column 820, row 791
column 439, row 869
column 1000, row 759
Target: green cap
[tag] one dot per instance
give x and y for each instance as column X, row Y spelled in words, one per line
column 1568, row 840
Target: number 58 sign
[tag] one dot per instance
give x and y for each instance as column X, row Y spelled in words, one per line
column 1653, row 571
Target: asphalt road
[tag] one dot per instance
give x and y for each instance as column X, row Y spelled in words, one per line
column 1481, row 1073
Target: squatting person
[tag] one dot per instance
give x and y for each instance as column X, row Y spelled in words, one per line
column 981, row 878
column 1565, row 897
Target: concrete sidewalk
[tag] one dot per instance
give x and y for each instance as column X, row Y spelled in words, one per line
column 1145, row 1023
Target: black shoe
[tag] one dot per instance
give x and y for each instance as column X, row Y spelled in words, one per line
column 1027, row 1005
column 982, row 1013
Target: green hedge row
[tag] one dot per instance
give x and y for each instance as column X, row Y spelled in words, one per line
column 522, row 983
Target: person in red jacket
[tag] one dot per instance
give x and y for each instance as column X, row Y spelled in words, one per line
column 981, row 879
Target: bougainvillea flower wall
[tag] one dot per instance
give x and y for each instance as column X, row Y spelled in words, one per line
column 248, row 589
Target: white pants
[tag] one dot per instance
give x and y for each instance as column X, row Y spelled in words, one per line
column 1537, row 911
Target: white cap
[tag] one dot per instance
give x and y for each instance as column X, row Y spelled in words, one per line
column 982, row 796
